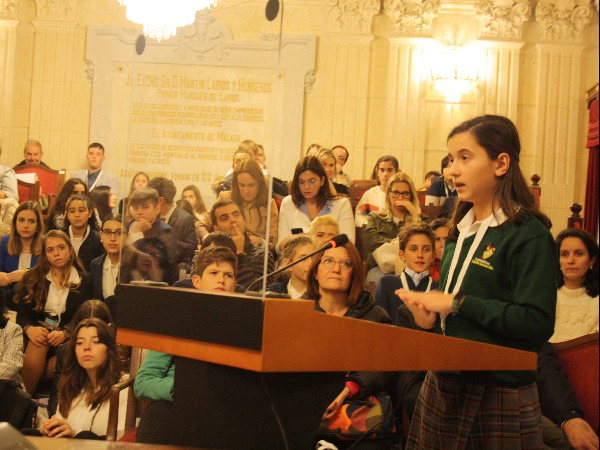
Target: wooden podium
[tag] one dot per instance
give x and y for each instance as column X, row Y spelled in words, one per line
column 259, row 374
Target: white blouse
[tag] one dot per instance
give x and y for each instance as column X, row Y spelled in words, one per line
column 576, row 314
column 83, row 418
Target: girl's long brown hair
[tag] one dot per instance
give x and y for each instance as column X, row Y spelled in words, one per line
column 358, row 276
column 253, row 169
column 15, row 246
column 200, row 207
column 33, row 286
column 497, row 134
column 74, row 380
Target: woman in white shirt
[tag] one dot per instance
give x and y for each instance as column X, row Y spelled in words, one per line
column 374, row 198
column 310, row 198
column 577, row 296
column 92, row 366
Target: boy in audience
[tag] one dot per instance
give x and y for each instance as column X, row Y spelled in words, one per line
column 416, row 243
column 144, row 207
column 105, row 269
column 216, row 269
column 440, row 229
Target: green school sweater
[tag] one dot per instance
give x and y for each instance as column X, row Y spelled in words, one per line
column 511, row 294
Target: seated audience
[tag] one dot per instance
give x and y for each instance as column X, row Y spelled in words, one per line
column 181, row 222
column 11, row 347
column 88, row 310
column 296, row 248
column 226, row 216
column 192, row 194
column 33, row 153
column 312, row 149
column 144, row 206
column 429, row 177
column 20, row 250
column 374, row 198
column 310, row 198
column 92, row 366
column 215, row 271
column 328, row 160
column 56, row 216
column 443, row 187
column 104, row 201
column 336, row 284
column 563, row 424
column 401, row 208
column 577, row 296
column 416, row 243
column 49, row 293
column 104, row 270
column 241, row 154
column 139, row 180
column 8, row 182
column 341, row 155
column 440, row 229
column 249, row 190
column 323, row 229
column 8, row 206
column 81, row 225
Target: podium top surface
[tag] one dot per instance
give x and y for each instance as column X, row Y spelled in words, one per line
column 283, row 335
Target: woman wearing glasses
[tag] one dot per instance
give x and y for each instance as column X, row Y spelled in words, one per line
column 105, row 268
column 310, row 198
column 336, row 282
column 401, row 207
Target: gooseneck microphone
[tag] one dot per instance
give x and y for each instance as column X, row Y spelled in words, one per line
column 335, row 242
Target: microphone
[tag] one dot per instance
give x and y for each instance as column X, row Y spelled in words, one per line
column 334, row 243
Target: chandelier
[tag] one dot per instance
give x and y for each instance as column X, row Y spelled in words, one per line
column 455, row 72
column 160, row 18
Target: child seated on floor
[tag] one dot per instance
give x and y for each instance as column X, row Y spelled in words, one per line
column 216, row 269
column 416, row 242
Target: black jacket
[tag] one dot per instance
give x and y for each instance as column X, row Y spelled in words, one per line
column 187, row 241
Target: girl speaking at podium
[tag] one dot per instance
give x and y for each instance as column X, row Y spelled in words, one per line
column 497, row 285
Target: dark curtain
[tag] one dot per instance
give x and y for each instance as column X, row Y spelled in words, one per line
column 590, row 217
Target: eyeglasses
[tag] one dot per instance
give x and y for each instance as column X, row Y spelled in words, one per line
column 405, row 194
column 108, row 233
column 311, row 182
column 329, row 262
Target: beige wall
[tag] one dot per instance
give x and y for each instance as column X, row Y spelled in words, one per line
column 370, row 92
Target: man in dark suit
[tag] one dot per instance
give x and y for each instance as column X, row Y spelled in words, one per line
column 181, row 221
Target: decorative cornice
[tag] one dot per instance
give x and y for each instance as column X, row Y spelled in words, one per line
column 502, row 19
column 57, row 9
column 205, row 35
column 353, row 15
column 412, row 17
column 7, row 6
column 563, row 20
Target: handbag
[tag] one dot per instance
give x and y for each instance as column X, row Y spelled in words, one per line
column 355, row 418
column 16, row 405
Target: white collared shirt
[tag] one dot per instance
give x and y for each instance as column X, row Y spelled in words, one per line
column 292, row 292
column 167, row 216
column 56, row 302
column 109, row 277
column 467, row 221
column 415, row 276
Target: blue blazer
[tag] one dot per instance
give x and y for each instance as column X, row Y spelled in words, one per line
column 9, row 263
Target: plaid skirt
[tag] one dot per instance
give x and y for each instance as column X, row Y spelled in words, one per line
column 451, row 414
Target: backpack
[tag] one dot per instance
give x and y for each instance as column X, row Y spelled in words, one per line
column 16, row 405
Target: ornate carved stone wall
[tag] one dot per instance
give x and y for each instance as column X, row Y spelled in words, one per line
column 503, row 19
column 412, row 17
column 563, row 20
column 353, row 16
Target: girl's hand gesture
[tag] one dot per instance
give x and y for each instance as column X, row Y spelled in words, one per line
column 55, row 427
column 38, row 336
column 55, row 338
column 424, row 314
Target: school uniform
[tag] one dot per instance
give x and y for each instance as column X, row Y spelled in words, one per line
column 90, row 248
column 388, row 284
column 507, row 271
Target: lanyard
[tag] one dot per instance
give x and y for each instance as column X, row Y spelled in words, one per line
column 457, row 251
